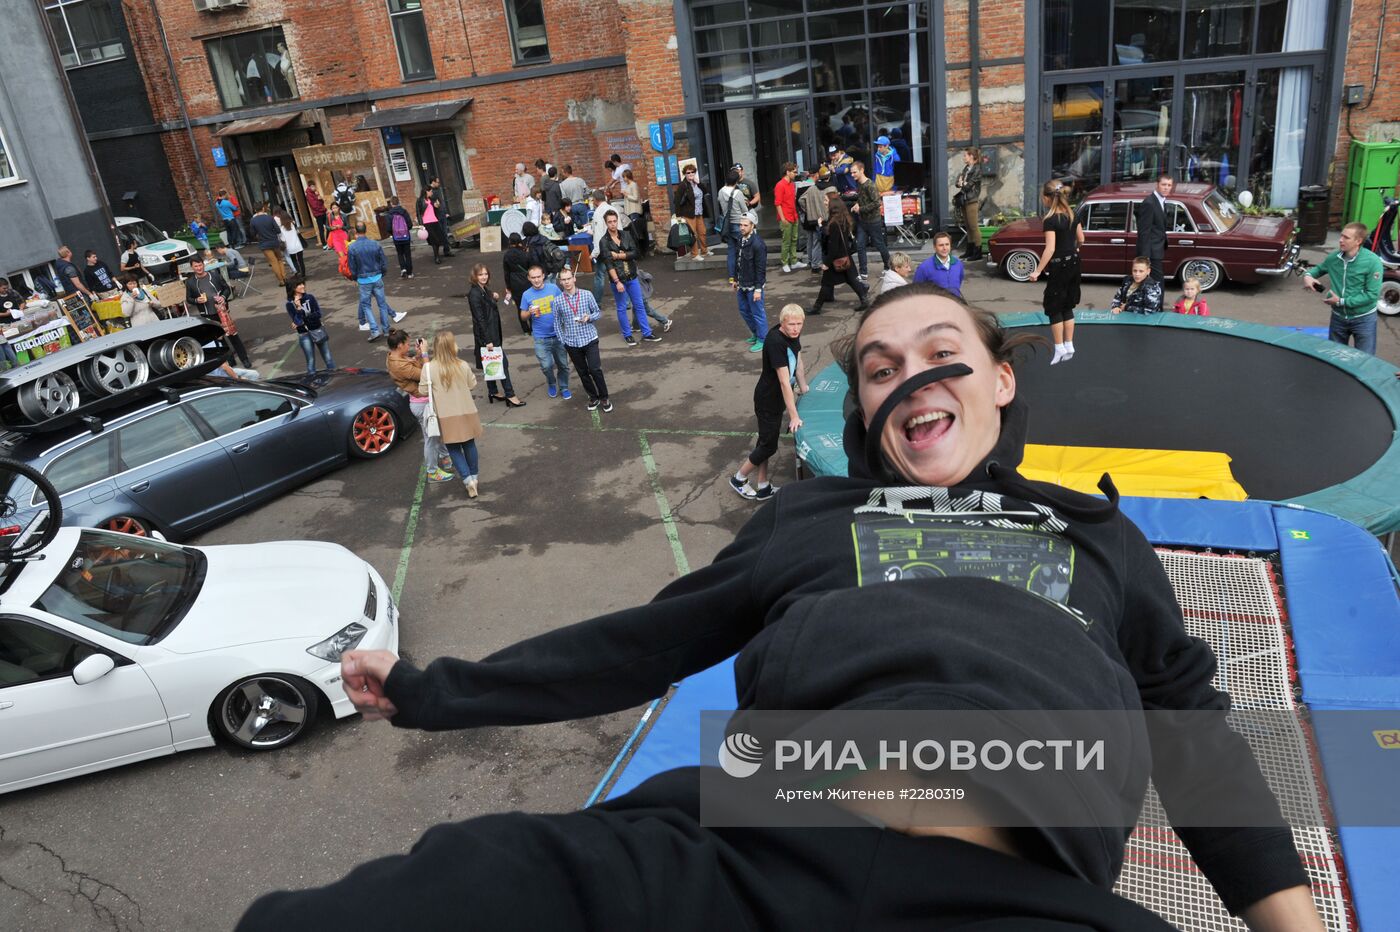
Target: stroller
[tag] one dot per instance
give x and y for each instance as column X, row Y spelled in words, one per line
column 1381, row 241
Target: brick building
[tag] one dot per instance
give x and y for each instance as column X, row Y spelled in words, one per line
column 1244, row 93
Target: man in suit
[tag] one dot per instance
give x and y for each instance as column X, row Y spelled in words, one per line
column 1152, row 225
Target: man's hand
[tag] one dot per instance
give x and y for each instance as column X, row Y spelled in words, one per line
column 794, row 421
column 758, row 294
column 1333, row 300
column 1115, row 310
column 619, row 286
column 803, row 388
column 362, row 674
column 1309, row 282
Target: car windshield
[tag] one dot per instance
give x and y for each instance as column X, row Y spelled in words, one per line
column 132, row 589
column 1222, row 210
column 142, row 231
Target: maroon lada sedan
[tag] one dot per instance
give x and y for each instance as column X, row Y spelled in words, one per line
column 1207, row 237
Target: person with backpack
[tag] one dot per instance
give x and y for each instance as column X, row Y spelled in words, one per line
column 730, row 206
column 812, row 211
column 785, row 199
column 401, row 229
column 542, row 252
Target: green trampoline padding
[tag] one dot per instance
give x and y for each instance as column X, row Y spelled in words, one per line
column 1306, row 421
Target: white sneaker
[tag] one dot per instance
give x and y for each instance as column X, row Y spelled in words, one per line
column 799, row 265
column 364, row 326
column 864, row 278
column 400, row 316
column 786, row 267
column 699, row 258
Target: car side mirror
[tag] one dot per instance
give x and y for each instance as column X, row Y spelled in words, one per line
column 165, row 233
column 93, row 668
column 296, row 409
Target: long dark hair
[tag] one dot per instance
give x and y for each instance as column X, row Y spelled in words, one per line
column 840, row 217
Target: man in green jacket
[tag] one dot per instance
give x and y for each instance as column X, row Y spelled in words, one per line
column 1355, row 276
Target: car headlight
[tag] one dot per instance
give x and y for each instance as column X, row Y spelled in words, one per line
column 372, row 601
column 345, row 639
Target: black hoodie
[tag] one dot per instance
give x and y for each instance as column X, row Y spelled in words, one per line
column 1081, row 587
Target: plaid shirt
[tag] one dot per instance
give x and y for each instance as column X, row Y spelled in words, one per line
column 572, row 332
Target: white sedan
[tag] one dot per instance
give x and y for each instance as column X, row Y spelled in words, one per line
column 114, row 648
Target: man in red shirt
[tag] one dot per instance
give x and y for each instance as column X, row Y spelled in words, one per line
column 785, row 197
column 318, row 211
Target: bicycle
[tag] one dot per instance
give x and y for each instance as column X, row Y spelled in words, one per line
column 30, row 512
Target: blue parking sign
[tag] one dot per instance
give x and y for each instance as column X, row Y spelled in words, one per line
column 659, row 168
column 220, row 159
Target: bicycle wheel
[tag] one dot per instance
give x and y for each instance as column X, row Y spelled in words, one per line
column 30, row 511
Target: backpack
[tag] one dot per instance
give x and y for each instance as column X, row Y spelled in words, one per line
column 345, row 265
column 399, row 227
column 807, row 224
column 552, row 260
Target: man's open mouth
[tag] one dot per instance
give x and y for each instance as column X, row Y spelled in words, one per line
column 927, row 427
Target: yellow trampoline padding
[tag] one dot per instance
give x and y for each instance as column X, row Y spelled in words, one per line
column 1143, row 473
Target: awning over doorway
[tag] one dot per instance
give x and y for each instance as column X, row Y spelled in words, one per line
column 418, row 113
column 256, row 125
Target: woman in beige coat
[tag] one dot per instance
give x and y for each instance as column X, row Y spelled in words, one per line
column 138, row 304
column 449, row 381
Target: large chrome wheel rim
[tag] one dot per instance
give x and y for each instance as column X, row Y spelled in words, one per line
column 1205, row 271
column 264, row 712
column 48, row 396
column 118, row 370
column 1020, row 265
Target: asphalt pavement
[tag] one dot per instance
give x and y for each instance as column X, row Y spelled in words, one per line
column 579, row 515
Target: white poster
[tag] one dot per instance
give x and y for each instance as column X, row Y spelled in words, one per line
column 893, row 209
column 398, row 161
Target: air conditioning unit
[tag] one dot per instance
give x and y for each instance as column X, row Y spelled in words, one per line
column 213, row 5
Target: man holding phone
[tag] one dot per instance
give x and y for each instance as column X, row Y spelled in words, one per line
column 1354, row 275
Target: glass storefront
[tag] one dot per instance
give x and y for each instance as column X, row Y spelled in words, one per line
column 796, row 76
column 1215, row 91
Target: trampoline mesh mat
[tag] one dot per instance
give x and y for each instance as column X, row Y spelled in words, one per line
column 1233, row 602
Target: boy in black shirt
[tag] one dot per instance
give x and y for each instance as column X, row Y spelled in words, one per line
column 782, row 368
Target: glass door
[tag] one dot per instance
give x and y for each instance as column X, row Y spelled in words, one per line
column 799, row 124
column 437, row 158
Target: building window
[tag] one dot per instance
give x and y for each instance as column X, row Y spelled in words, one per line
column 526, row 18
column 411, row 39
column 8, row 172
column 252, row 68
column 86, row 31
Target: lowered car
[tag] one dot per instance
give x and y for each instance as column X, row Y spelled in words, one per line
column 1208, row 238
column 115, row 648
column 180, row 457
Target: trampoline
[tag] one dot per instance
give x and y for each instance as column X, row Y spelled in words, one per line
column 1301, row 608
column 1303, row 420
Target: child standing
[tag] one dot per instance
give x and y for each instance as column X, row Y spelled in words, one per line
column 200, row 230
column 1140, row 293
column 1191, row 301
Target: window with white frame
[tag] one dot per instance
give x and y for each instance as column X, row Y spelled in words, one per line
column 527, row 35
column 411, row 39
column 86, row 31
column 8, row 172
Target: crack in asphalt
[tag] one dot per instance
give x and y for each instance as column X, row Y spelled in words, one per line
column 84, row 887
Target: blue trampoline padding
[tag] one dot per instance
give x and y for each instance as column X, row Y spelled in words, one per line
column 1192, row 523
column 1344, row 611
column 1371, row 854
column 674, row 739
column 1319, row 332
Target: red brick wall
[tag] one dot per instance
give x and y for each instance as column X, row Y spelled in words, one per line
column 1384, row 106
column 348, row 47
column 653, row 74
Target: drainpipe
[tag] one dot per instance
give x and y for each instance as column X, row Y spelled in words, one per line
column 184, row 113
